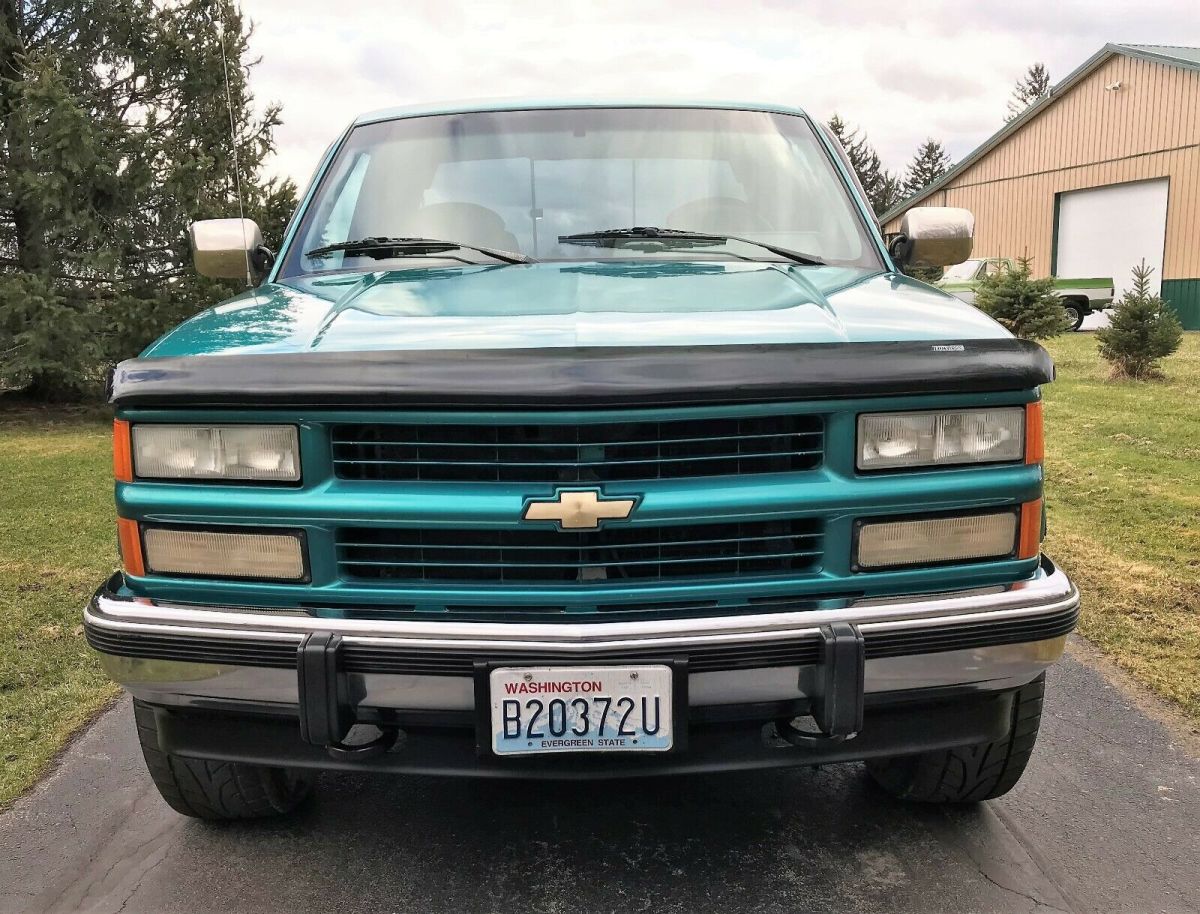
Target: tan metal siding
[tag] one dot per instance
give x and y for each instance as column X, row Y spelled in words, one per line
column 1149, row 128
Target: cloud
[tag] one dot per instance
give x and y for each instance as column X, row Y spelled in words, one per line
column 923, row 82
column 902, row 73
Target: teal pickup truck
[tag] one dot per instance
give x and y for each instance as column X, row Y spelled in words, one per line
column 1080, row 297
column 581, row 441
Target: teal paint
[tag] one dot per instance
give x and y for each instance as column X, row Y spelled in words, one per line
column 1183, row 295
column 294, row 223
column 529, row 104
column 610, row 303
column 834, row 492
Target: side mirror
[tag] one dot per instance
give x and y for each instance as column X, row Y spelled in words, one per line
column 934, row 236
column 221, row 248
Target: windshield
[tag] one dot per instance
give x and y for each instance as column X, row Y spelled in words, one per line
column 961, row 272
column 517, row 180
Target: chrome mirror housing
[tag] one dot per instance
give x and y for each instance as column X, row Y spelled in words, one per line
column 934, row 236
column 225, row 248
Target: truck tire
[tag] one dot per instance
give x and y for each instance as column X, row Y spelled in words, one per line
column 1075, row 313
column 967, row 774
column 219, row 791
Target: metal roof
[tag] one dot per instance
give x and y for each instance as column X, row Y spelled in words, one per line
column 1171, row 54
column 1188, row 58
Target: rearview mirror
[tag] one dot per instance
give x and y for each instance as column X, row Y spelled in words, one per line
column 226, row 248
column 934, row 236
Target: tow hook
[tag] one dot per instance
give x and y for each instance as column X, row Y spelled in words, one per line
column 326, row 705
column 837, row 704
column 382, row 743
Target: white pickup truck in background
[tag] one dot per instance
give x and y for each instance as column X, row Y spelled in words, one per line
column 1080, row 297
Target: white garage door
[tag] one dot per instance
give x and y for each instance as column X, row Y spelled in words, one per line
column 1106, row 231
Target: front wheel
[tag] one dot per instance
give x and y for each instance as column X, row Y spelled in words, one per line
column 968, row 774
column 1075, row 314
column 218, row 790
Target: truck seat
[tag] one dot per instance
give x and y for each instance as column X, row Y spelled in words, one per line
column 467, row 222
column 719, row 215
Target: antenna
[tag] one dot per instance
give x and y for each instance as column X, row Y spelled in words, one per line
column 237, row 172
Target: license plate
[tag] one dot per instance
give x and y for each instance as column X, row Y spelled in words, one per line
column 581, row 709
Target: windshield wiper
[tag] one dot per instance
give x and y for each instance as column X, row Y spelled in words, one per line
column 665, row 237
column 382, row 248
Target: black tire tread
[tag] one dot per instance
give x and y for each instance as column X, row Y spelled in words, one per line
column 1078, row 317
column 968, row 774
column 217, row 790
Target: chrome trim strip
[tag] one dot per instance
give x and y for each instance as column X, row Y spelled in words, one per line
column 1047, row 592
column 184, row 684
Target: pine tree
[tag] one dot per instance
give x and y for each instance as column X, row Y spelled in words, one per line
column 114, row 135
column 1028, row 307
column 930, row 163
column 889, row 193
column 1031, row 87
column 1141, row 330
column 883, row 189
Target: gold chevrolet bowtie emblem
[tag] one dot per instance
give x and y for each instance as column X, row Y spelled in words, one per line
column 579, row 510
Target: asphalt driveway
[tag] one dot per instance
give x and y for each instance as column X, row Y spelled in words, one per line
column 1106, row 820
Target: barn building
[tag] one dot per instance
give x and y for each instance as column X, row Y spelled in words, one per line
column 1097, row 176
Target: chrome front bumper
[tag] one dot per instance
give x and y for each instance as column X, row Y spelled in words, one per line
column 987, row 639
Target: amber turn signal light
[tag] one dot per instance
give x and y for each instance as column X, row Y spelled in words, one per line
column 1035, row 439
column 1029, row 540
column 129, row 541
column 122, row 453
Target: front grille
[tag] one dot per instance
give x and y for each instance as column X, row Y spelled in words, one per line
column 550, row 556
column 588, row 452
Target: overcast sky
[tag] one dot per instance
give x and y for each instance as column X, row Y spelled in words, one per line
column 899, row 70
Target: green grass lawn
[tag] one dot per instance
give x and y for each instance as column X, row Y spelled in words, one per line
column 57, row 542
column 1123, row 494
column 1123, row 480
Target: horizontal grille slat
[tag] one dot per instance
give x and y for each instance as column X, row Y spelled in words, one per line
column 706, row 439
column 627, row 562
column 607, row 462
column 530, row 555
column 584, row 452
column 632, row 545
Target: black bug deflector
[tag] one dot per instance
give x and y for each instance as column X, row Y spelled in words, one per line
column 584, row 377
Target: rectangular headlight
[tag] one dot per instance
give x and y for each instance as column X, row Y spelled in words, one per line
column 933, row 540
column 256, row 453
column 211, row 554
column 940, row 437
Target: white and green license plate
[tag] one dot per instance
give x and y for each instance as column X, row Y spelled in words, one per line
column 581, row 709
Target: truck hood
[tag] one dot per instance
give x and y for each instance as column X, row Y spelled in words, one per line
column 577, row 304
